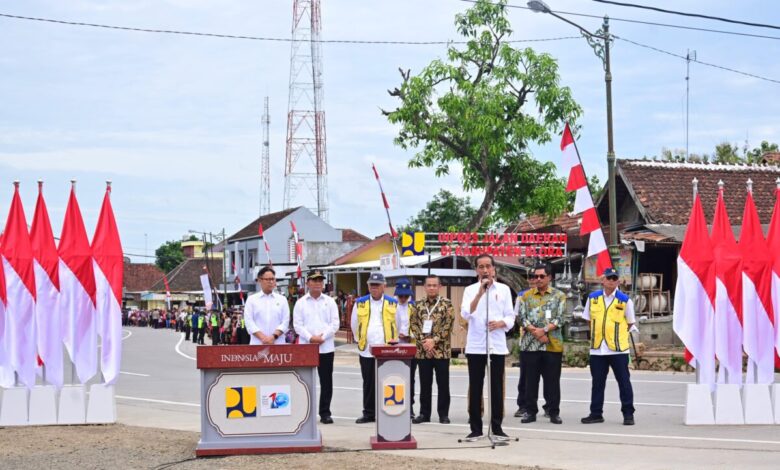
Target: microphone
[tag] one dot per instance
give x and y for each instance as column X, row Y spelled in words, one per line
column 485, row 281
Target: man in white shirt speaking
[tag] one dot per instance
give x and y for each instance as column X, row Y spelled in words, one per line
column 267, row 314
column 316, row 321
column 487, row 305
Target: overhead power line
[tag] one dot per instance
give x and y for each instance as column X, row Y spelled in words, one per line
column 649, row 23
column 690, row 15
column 679, row 56
column 258, row 38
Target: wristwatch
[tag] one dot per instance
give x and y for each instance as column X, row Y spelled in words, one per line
column 276, row 335
column 546, row 328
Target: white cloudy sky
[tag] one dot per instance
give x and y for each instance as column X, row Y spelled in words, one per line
column 174, row 120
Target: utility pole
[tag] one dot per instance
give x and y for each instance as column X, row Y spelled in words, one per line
column 265, row 164
column 689, row 56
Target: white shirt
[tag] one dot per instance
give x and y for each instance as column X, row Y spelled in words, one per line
column 402, row 318
column 603, row 349
column 497, row 302
column 312, row 317
column 266, row 313
column 376, row 330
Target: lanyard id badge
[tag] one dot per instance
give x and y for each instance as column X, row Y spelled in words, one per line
column 427, row 327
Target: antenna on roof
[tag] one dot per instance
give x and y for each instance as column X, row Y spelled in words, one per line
column 695, row 183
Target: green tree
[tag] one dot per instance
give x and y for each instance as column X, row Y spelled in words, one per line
column 169, row 255
column 725, row 152
column 483, row 108
column 444, row 213
column 755, row 155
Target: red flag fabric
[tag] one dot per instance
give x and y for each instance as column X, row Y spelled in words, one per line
column 109, row 271
column 17, row 260
column 78, row 292
column 47, row 282
column 694, row 302
column 728, row 296
column 758, row 317
column 260, row 230
column 773, row 241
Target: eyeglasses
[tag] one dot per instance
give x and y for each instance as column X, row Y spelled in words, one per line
column 538, row 276
column 612, row 278
column 269, row 279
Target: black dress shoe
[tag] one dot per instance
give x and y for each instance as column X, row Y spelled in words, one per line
column 421, row 419
column 546, row 414
column 500, row 435
column 556, row 420
column 364, row 419
column 444, row 420
column 628, row 420
column 326, row 420
column 412, row 415
column 528, row 418
column 519, row 413
column 590, row 419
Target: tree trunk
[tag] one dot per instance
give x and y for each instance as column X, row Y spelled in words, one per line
column 491, row 189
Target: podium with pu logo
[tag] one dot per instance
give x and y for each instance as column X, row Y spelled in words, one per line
column 258, row 399
column 393, row 397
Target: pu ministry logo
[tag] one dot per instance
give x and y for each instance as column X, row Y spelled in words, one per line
column 394, row 395
column 241, row 402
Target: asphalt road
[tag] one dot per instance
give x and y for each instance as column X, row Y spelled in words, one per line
column 159, row 387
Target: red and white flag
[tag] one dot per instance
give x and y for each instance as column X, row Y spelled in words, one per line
column 757, row 314
column 237, row 282
column 773, row 240
column 728, row 296
column 109, row 272
column 694, row 301
column 47, row 283
column 265, row 242
column 167, row 291
column 583, row 201
column 78, row 292
column 17, row 259
column 205, row 283
column 6, row 373
column 298, row 250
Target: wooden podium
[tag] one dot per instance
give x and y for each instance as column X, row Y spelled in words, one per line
column 258, row 399
column 393, row 397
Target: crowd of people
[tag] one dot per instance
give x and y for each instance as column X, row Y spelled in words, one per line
column 489, row 311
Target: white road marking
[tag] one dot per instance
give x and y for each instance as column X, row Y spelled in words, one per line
column 510, row 398
column 129, row 334
column 605, row 434
column 163, row 402
column 580, row 379
column 134, row 373
column 178, row 345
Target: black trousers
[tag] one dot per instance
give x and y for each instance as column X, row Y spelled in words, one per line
column 546, row 365
column 187, row 333
column 599, row 368
column 201, row 334
column 521, row 385
column 195, row 333
column 214, row 335
column 477, row 364
column 325, row 372
column 367, row 365
column 442, row 369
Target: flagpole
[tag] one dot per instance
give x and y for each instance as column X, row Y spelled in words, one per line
column 393, row 233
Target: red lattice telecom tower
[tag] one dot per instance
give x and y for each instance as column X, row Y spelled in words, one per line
column 306, row 162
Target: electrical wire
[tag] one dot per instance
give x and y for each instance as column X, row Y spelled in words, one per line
column 690, row 15
column 721, row 67
column 649, row 23
column 259, row 38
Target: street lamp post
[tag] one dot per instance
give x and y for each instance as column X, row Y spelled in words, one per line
column 219, row 236
column 599, row 42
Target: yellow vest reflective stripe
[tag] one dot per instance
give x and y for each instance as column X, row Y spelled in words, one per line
column 200, row 321
column 609, row 323
column 388, row 321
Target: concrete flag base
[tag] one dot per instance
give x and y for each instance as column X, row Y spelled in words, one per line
column 757, row 404
column 73, row 405
column 101, row 407
column 728, row 405
column 13, row 409
column 43, row 405
column 698, row 405
column 776, row 402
